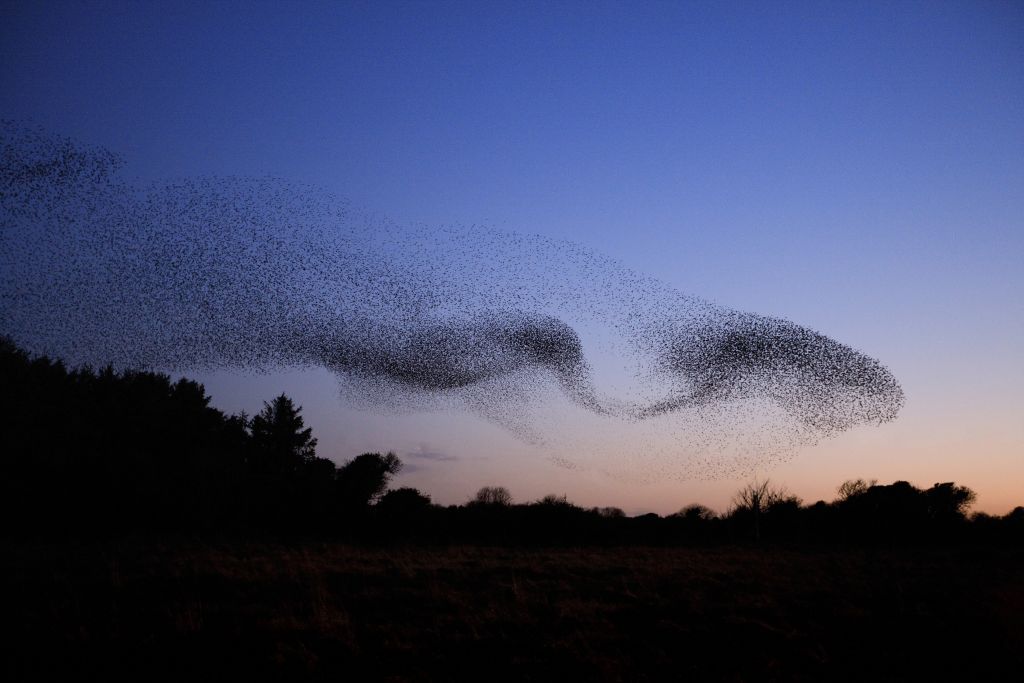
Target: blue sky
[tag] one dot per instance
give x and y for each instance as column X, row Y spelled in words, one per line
column 854, row 167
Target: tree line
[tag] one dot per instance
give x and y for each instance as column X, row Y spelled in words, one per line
column 90, row 451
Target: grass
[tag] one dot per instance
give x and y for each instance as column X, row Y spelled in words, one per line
column 187, row 610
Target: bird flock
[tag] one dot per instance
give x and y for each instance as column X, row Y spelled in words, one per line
column 565, row 348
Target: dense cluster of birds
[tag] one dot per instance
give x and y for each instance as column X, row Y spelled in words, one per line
column 546, row 338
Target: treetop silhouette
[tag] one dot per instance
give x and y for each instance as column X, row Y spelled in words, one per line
column 281, row 442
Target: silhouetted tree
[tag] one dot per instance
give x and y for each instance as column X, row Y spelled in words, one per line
column 948, row 502
column 85, row 451
column 315, row 493
column 696, row 513
column 362, row 480
column 492, row 495
column 755, row 499
column 554, row 500
column 107, row 452
column 402, row 514
column 281, row 442
column 854, row 487
column 402, row 504
column 896, row 511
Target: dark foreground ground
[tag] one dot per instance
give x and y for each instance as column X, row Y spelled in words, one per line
column 187, row 610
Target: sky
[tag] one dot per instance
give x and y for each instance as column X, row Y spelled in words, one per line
column 857, row 168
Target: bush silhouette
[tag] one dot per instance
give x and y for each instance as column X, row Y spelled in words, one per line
column 403, row 513
column 696, row 512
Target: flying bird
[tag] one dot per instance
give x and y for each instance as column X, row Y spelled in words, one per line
column 260, row 273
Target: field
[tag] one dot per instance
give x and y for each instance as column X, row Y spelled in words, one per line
column 190, row 610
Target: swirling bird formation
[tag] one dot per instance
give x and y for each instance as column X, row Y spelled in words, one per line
column 260, row 273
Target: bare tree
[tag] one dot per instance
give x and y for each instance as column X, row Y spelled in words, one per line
column 851, row 488
column 554, row 500
column 756, row 497
column 493, row 495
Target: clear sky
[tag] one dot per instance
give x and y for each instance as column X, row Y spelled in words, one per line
column 854, row 167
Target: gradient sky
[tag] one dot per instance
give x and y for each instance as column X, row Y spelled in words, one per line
column 857, row 168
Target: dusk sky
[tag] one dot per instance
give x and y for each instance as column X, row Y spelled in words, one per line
column 856, row 168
